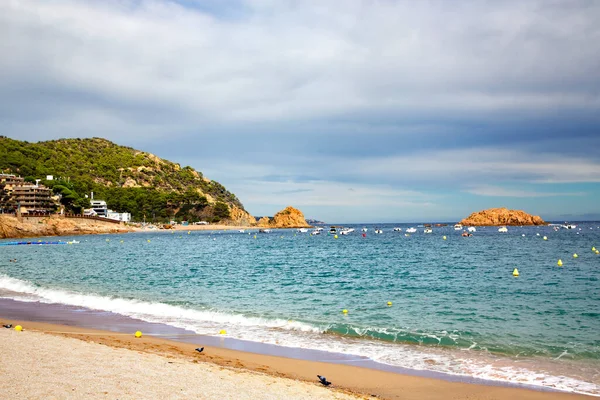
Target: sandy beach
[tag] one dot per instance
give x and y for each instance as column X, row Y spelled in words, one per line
column 56, row 361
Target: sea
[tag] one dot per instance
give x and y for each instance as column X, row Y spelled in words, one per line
column 437, row 303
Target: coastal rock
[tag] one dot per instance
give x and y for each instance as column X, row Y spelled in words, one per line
column 241, row 217
column 289, row 217
column 11, row 227
column 263, row 222
column 502, row 216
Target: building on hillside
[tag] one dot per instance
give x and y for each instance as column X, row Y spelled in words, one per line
column 33, row 198
column 100, row 207
column 11, row 181
column 117, row 216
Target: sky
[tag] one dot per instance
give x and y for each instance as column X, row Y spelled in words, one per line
column 351, row 111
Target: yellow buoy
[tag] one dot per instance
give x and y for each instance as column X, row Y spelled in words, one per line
column 575, row 255
column 121, row 241
column 138, row 334
column 189, row 232
column 389, row 303
column 515, row 272
column 597, row 251
column 444, row 237
column 222, row 332
column 254, row 236
column 18, row 328
column 344, row 311
column 545, row 237
column 559, row 263
column 593, row 249
column 148, row 240
column 335, row 236
column 108, row 240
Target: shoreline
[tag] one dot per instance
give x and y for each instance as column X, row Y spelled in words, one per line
column 225, row 352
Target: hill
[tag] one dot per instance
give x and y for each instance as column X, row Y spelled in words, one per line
column 129, row 180
column 502, row 216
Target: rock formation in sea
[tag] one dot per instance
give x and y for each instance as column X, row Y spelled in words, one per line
column 502, row 216
column 289, row 217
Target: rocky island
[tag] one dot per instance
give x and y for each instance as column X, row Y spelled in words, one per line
column 289, row 217
column 502, row 216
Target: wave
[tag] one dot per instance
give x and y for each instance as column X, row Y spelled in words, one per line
column 178, row 316
column 389, row 346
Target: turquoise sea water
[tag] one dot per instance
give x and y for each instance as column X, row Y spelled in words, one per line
column 456, row 306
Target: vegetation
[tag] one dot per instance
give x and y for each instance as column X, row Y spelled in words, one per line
column 129, row 180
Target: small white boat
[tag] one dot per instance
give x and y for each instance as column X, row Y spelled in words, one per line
column 428, row 230
column 397, row 229
column 73, row 242
column 345, row 232
column 333, row 230
column 364, row 229
column 458, row 227
column 301, row 230
column 316, row 232
column 472, row 229
column 411, row 230
column 319, row 229
column 569, row 226
column 241, row 231
column 264, row 231
column 503, row 229
column 378, row 231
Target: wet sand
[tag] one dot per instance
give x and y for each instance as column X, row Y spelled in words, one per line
column 156, row 352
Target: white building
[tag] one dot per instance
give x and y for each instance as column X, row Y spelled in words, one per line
column 100, row 207
column 117, row 216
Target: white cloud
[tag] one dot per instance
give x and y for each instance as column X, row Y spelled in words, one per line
column 304, row 60
column 496, row 191
column 477, row 165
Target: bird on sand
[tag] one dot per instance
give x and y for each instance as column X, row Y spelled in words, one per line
column 200, row 349
column 323, row 380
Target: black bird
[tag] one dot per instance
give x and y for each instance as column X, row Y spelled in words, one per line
column 323, row 380
column 7, row 326
column 200, row 349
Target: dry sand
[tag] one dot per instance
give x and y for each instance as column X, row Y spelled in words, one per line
column 40, row 366
column 102, row 364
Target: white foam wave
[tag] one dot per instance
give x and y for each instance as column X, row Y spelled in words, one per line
column 207, row 322
column 298, row 334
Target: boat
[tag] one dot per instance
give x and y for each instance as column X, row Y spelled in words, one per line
column 378, row 231
column 364, row 229
column 411, row 230
column 333, row 230
column 264, row 231
column 397, row 229
column 428, row 230
column 319, row 229
column 346, row 231
column 316, row 232
column 241, row 231
column 503, row 229
column 569, row 226
column 302, row 230
column 472, row 229
column 466, row 234
column 458, row 227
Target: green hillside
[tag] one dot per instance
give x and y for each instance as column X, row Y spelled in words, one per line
column 129, row 180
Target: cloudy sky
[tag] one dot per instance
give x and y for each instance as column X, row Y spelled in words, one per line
column 352, row 111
